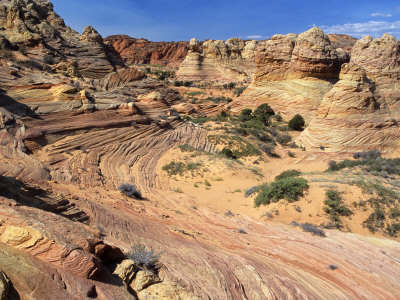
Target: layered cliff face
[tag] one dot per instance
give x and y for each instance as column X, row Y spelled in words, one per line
column 294, row 72
column 38, row 31
column 142, row 51
column 219, row 61
column 361, row 111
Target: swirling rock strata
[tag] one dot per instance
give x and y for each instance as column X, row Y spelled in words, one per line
column 229, row 61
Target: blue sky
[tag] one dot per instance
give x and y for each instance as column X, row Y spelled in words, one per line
column 173, row 20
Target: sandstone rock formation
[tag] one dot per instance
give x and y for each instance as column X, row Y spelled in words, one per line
column 4, row 286
column 219, row 61
column 294, row 72
column 67, row 144
column 142, row 51
column 34, row 26
column 361, row 111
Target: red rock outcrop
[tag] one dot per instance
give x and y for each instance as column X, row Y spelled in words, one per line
column 142, row 51
column 219, row 61
column 362, row 110
column 293, row 73
column 343, row 41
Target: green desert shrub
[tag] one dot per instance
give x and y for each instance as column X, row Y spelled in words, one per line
column 239, row 91
column 245, row 115
column 228, row 153
column 291, row 189
column 393, row 229
column 263, row 113
column 183, row 83
column 288, row 173
column 335, row 206
column 283, row 139
column 297, row 123
column 178, row 168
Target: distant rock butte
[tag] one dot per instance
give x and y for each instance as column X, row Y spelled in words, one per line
column 142, row 51
column 219, row 61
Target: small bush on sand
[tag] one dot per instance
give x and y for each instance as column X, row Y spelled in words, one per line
column 288, row 173
column 308, row 227
column 283, row 139
column 143, row 257
column 291, row 189
column 297, row 123
column 228, row 153
column 335, row 207
column 130, row 190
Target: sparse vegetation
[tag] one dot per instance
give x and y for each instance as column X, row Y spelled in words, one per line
column 130, row 190
column 289, row 188
column 179, row 168
column 229, row 214
column 239, row 90
column 297, row 123
column 371, row 162
column 183, row 83
column 308, row 227
column 288, row 174
column 283, row 139
column 333, row 267
column 335, row 207
column 229, row 86
column 251, row 191
column 228, row 153
column 143, row 256
column 238, row 146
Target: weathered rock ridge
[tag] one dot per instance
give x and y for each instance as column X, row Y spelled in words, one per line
column 34, row 27
column 222, row 61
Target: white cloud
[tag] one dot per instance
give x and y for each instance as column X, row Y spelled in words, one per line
column 256, row 36
column 377, row 14
column 373, row 28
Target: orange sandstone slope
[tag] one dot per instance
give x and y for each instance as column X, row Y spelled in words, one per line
column 71, row 132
